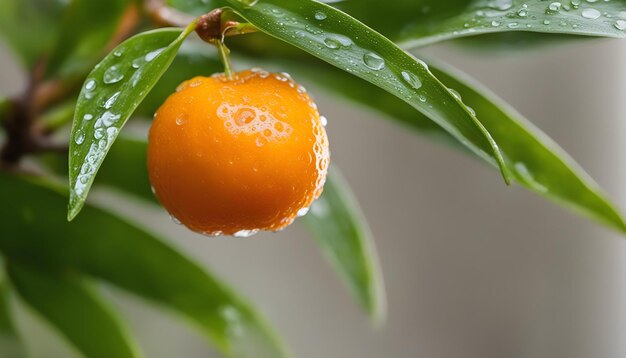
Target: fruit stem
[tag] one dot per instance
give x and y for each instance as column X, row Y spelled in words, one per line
column 224, row 54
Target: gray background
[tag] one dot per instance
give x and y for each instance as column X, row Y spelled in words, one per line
column 473, row 269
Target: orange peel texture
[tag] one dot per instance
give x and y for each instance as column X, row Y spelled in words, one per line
column 232, row 157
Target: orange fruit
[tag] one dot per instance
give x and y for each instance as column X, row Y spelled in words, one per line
column 236, row 156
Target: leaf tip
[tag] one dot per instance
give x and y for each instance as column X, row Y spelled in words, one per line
column 74, row 207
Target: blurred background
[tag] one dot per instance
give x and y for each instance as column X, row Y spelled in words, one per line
column 473, row 269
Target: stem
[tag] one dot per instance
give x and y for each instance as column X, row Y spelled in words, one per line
column 224, row 54
column 191, row 27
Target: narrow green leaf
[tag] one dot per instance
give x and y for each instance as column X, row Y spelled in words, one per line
column 589, row 18
column 87, row 26
column 344, row 42
column 74, row 309
column 106, row 247
column 534, row 160
column 186, row 65
column 29, row 26
column 334, row 220
column 6, row 325
column 337, row 225
column 109, row 96
column 10, row 343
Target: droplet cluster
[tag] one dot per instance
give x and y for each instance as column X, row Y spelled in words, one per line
column 254, row 121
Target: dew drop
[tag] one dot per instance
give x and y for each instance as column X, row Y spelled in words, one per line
column 320, row 16
column 412, row 79
column 620, row 25
column 181, row 119
column 112, row 75
column 138, row 62
column 553, row 8
column 335, row 41
column 500, row 4
column 175, row 220
column 151, row 55
column 99, row 133
column 323, row 120
column 111, row 101
column 591, row 14
column 108, row 119
column 245, row 233
column 373, row 61
column 303, row 212
column 90, row 85
column 80, row 137
column 261, row 141
column 88, row 117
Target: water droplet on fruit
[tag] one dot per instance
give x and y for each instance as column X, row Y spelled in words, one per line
column 175, row 220
column 181, row 119
column 303, row 212
column 245, row 233
column 323, row 120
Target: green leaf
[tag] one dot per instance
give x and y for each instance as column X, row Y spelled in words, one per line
column 87, row 26
column 74, row 309
column 6, row 324
column 334, row 220
column 187, row 64
column 109, row 96
column 29, row 26
column 106, row 247
column 344, row 42
column 10, row 343
column 337, row 225
column 597, row 18
column 534, row 160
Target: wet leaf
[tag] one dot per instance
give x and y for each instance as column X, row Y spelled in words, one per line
column 74, row 309
column 337, row 225
column 106, row 247
column 534, row 160
column 109, row 96
column 578, row 17
column 344, row 42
